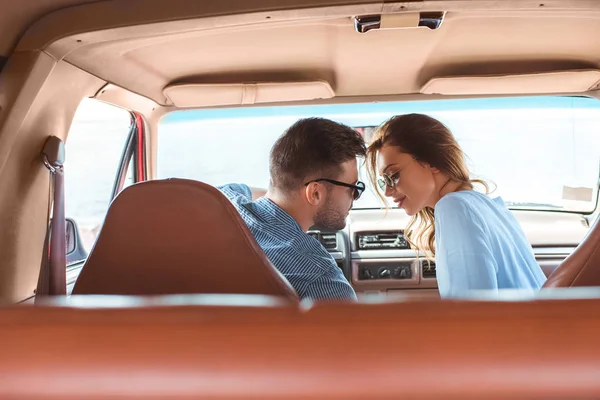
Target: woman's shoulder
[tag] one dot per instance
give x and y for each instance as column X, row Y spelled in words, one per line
column 462, row 199
column 470, row 203
column 464, row 211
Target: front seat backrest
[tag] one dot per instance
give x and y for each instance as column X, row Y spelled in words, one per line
column 582, row 267
column 177, row 236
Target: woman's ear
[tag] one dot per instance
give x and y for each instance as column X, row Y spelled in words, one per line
column 429, row 167
column 313, row 193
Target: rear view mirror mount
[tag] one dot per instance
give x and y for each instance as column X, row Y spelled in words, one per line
column 366, row 132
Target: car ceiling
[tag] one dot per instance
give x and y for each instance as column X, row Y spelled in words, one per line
column 146, row 50
column 17, row 16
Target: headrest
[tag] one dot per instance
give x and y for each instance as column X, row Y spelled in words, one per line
column 177, row 236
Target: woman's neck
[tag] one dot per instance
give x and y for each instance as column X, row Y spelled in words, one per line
column 449, row 186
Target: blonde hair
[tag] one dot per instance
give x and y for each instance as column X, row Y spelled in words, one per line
column 431, row 142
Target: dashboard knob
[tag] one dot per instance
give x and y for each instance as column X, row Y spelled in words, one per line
column 366, row 274
column 403, row 272
column 384, row 273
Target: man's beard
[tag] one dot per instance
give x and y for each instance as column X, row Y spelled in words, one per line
column 329, row 218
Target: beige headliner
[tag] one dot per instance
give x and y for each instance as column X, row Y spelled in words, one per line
column 317, row 44
column 17, row 16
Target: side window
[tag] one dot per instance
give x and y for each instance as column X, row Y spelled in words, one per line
column 94, row 148
column 129, row 178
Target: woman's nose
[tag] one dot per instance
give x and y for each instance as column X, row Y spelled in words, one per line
column 388, row 191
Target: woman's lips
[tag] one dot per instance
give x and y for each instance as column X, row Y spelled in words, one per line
column 399, row 201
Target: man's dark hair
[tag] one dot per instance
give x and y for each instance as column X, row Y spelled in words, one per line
column 315, row 148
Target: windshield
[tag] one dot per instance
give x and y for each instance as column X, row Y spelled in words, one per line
column 536, row 152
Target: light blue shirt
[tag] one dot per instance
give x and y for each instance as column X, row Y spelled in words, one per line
column 480, row 245
column 302, row 259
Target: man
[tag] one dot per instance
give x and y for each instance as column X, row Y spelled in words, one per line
column 314, row 180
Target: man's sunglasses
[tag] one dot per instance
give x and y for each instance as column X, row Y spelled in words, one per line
column 359, row 188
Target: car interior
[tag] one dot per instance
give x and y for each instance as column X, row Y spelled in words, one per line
column 166, row 293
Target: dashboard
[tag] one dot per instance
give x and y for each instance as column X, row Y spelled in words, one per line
column 377, row 260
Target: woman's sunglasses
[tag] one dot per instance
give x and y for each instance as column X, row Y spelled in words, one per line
column 359, row 188
column 391, row 180
column 388, row 180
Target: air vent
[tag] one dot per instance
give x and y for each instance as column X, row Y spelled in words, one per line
column 328, row 240
column 381, row 240
column 428, row 269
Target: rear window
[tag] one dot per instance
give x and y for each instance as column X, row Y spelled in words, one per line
column 536, row 152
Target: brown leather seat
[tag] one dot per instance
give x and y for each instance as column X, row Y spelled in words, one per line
column 240, row 347
column 173, row 237
column 582, row 267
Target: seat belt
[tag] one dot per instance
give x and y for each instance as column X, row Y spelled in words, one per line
column 53, row 274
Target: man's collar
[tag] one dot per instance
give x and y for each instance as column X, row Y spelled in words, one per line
column 276, row 213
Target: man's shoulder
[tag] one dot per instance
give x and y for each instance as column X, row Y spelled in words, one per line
column 313, row 251
column 302, row 248
column 236, row 192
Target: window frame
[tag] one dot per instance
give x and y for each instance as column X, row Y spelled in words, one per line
column 133, row 155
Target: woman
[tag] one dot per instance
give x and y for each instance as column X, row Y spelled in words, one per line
column 478, row 242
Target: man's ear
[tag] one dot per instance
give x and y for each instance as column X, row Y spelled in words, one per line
column 313, row 193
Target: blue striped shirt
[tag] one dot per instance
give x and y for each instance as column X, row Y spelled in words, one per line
column 302, row 259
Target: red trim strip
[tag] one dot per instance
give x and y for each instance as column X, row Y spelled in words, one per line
column 140, row 143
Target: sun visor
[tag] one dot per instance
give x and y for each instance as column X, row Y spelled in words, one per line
column 572, row 81
column 221, row 94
